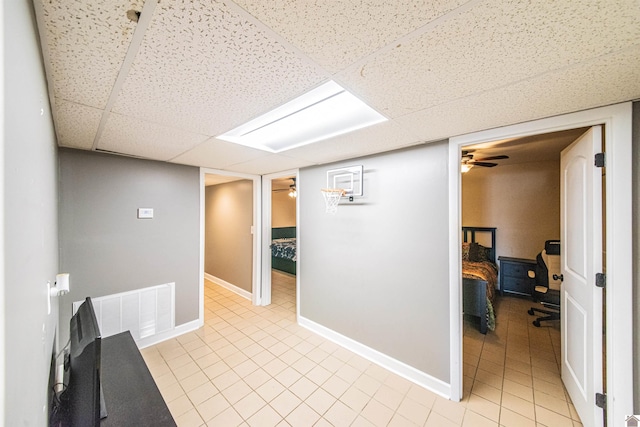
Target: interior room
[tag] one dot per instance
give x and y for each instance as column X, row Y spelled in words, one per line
column 514, row 186
column 114, row 113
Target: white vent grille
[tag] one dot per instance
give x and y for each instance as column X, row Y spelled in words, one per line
column 143, row 312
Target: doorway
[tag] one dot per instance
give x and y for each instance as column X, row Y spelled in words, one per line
column 617, row 122
column 231, row 193
column 282, row 184
column 515, row 369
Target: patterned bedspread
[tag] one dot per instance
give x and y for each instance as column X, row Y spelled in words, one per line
column 284, row 248
column 488, row 272
column 484, row 271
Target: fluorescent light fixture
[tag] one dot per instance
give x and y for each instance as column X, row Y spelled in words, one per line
column 326, row 111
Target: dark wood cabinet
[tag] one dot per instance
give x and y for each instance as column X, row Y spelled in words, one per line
column 514, row 277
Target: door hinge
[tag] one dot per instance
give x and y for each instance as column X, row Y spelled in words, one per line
column 601, row 400
column 599, row 160
column 601, row 280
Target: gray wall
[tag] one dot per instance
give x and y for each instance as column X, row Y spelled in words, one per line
column 377, row 271
column 30, row 231
column 228, row 249
column 106, row 249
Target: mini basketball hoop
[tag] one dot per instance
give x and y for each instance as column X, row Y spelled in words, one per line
column 332, row 197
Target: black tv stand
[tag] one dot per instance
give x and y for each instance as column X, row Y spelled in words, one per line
column 130, row 393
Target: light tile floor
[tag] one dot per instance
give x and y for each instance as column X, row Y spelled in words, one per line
column 254, row 366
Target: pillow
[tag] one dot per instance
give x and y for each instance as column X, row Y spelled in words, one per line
column 465, row 251
column 477, row 253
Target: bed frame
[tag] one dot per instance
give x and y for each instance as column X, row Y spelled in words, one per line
column 282, row 264
column 474, row 291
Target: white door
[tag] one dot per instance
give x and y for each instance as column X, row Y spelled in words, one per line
column 581, row 257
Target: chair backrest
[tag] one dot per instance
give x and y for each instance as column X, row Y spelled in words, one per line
column 548, row 264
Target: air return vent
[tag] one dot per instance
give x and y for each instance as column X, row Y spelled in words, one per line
column 144, row 312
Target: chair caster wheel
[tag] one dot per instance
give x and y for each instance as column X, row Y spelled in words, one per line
column 530, row 311
column 536, row 323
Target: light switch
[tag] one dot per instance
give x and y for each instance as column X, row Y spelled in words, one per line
column 145, row 213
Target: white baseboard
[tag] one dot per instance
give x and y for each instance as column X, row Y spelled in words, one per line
column 163, row 336
column 408, row 372
column 229, row 286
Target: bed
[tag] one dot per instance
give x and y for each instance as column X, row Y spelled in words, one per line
column 283, row 249
column 479, row 274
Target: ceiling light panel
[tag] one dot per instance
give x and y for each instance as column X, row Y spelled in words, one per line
column 206, row 67
column 326, row 111
column 335, row 34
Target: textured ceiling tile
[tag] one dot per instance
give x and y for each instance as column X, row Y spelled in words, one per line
column 218, row 154
column 610, row 79
column 205, row 68
column 375, row 139
column 495, row 43
column 76, row 125
column 139, row 138
column 87, row 42
column 337, row 33
column 269, row 164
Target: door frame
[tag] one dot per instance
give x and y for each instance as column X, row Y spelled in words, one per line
column 266, row 231
column 256, row 284
column 617, row 121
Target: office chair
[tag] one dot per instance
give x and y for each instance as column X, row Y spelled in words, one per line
column 547, row 283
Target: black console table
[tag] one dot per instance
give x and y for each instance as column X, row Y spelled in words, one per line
column 131, row 395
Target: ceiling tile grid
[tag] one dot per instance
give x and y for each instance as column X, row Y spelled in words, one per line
column 436, row 69
column 606, row 80
column 495, row 43
column 335, row 34
column 86, row 43
column 205, row 68
column 127, row 135
column 217, row 154
column 269, row 164
column 76, row 124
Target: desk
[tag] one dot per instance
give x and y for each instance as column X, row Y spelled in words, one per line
column 131, row 395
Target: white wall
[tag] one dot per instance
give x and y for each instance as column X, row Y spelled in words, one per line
column 30, row 231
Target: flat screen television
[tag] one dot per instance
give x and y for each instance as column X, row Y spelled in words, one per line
column 83, row 397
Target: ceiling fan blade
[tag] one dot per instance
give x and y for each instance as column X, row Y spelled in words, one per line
column 484, row 164
column 493, row 158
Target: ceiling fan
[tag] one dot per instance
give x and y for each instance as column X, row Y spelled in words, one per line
column 293, row 192
column 468, row 161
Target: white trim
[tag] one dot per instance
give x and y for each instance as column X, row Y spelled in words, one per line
column 167, row 335
column 267, row 181
column 2, row 241
column 229, row 286
column 256, row 274
column 619, row 346
column 408, row 372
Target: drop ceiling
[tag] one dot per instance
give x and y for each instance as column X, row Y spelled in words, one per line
column 165, row 86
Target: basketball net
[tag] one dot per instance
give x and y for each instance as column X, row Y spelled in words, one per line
column 332, row 197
